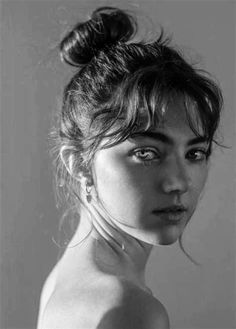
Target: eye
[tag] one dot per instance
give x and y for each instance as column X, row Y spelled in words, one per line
column 146, row 154
column 197, row 155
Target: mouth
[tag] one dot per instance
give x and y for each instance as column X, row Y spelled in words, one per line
column 173, row 214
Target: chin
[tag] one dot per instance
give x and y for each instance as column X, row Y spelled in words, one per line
column 164, row 241
column 159, row 240
column 164, row 238
column 167, row 242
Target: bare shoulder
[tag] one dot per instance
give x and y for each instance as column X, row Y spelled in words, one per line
column 134, row 308
column 110, row 303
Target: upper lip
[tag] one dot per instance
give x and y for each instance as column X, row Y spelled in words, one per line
column 172, row 208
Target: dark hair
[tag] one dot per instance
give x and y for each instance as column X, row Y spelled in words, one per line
column 120, row 88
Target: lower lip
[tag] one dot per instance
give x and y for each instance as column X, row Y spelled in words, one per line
column 172, row 217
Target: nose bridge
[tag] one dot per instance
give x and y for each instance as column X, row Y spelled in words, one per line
column 176, row 178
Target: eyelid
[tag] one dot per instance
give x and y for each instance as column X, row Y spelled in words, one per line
column 203, row 151
column 146, row 149
column 203, row 145
column 199, row 149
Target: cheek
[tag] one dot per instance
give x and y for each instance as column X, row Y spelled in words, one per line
column 120, row 187
column 198, row 180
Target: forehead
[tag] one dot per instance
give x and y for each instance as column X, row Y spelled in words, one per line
column 178, row 113
column 178, row 117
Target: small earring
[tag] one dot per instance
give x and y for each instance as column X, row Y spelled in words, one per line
column 88, row 191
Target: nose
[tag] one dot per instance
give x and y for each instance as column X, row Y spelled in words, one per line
column 176, row 178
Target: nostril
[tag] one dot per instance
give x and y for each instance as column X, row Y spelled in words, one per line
column 171, row 184
column 176, row 176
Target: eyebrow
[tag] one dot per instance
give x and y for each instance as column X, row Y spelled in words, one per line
column 168, row 140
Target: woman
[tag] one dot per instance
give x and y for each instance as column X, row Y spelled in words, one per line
column 132, row 150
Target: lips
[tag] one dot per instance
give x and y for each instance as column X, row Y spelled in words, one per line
column 172, row 214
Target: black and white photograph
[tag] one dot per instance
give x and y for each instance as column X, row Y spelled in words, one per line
column 118, row 181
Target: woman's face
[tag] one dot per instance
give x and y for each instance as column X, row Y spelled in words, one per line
column 151, row 183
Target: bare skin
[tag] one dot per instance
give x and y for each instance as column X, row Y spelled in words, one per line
column 94, row 284
column 102, row 278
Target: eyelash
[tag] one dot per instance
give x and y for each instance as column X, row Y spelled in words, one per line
column 144, row 158
column 204, row 155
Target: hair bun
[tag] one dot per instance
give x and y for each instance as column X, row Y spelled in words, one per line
column 107, row 26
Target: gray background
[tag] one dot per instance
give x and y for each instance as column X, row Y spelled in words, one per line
column 31, row 79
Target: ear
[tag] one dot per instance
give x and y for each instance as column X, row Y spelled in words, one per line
column 68, row 158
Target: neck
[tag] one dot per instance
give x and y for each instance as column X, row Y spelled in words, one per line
column 108, row 249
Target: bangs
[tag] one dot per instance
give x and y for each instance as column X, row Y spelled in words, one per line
column 140, row 102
